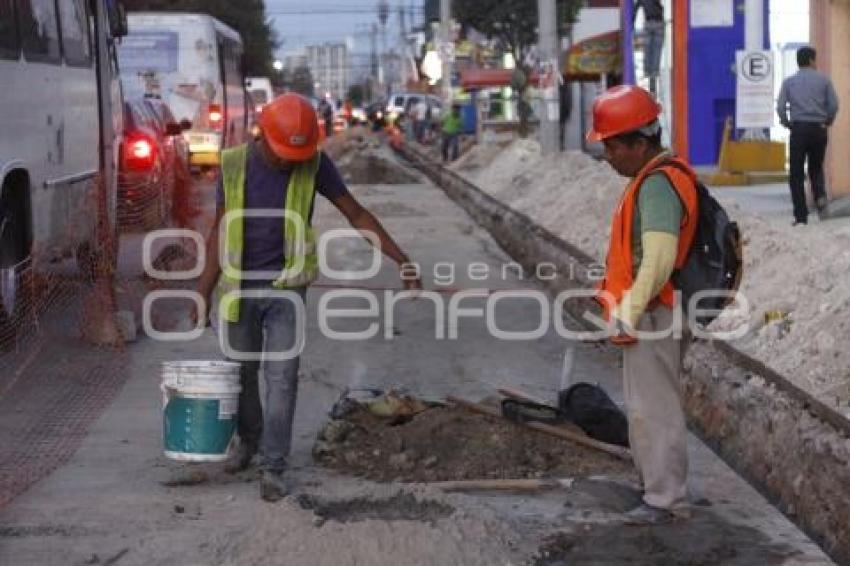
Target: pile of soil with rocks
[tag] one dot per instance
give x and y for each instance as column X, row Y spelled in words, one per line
column 573, row 195
column 363, row 160
column 451, row 443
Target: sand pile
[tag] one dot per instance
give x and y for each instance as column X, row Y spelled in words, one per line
column 797, row 271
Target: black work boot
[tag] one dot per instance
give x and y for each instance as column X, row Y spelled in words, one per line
column 241, row 458
column 274, row 486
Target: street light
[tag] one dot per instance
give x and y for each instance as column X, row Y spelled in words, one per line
column 277, row 65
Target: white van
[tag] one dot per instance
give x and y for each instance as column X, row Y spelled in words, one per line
column 260, row 89
column 58, row 137
column 192, row 62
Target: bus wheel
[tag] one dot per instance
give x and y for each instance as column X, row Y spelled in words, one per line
column 15, row 264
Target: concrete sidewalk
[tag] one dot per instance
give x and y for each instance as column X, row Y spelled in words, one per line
column 115, row 502
column 773, row 202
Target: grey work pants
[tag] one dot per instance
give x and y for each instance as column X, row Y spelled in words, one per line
column 267, row 325
column 657, row 433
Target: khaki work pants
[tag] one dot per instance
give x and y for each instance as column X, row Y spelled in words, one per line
column 657, row 433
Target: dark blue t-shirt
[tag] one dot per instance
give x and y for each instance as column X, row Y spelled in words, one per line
column 265, row 188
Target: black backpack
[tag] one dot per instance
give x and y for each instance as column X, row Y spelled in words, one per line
column 588, row 406
column 715, row 261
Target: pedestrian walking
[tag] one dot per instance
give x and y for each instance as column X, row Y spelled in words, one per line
column 653, row 36
column 277, row 176
column 810, row 98
column 651, row 234
column 451, row 127
column 565, row 99
column 326, row 111
column 420, row 119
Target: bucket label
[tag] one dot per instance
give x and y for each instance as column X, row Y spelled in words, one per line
column 227, row 408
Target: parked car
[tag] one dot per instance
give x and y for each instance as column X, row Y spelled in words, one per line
column 401, row 103
column 376, row 114
column 177, row 145
column 177, row 156
column 146, row 175
column 358, row 115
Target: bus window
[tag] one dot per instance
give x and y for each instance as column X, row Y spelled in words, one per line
column 10, row 44
column 75, row 36
column 144, row 58
column 39, row 30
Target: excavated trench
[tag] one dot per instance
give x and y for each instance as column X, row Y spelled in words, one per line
column 373, row 169
column 788, row 444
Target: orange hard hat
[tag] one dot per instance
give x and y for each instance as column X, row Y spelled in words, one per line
column 291, row 127
column 622, row 109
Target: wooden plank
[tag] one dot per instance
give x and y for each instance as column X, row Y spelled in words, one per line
column 502, row 484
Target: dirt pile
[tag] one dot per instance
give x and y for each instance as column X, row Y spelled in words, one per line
column 363, row 160
column 449, row 443
column 792, row 270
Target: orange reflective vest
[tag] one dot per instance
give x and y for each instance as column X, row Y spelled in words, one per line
column 619, row 265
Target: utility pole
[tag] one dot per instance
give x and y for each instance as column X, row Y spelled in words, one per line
column 446, row 38
column 548, row 44
column 383, row 15
column 754, row 41
column 402, row 48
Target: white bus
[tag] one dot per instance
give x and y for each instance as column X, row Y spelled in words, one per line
column 60, row 109
column 194, row 63
column 260, row 89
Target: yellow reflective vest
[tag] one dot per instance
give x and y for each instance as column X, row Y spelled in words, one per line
column 301, row 263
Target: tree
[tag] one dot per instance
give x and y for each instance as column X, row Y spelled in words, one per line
column 356, row 94
column 302, row 81
column 248, row 17
column 513, row 24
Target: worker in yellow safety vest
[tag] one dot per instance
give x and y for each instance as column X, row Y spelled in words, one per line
column 264, row 261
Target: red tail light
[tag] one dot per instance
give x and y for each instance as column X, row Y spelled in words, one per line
column 142, row 149
column 215, row 116
column 140, row 153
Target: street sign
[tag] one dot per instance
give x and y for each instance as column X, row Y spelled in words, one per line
column 754, row 94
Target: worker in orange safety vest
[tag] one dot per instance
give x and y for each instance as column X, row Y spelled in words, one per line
column 651, row 233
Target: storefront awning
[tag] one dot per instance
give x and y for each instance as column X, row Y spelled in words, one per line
column 474, row 79
column 599, row 55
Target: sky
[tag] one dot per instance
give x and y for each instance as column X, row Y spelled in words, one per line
column 304, row 22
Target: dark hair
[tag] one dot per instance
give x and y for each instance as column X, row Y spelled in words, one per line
column 631, row 138
column 805, row 56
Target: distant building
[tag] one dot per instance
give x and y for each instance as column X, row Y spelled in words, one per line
column 329, row 65
column 294, row 60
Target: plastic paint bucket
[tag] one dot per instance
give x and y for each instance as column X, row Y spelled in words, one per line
column 200, row 400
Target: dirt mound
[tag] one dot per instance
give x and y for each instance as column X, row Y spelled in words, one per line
column 352, row 140
column 575, row 187
column 362, row 159
column 448, row 443
column 370, row 168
